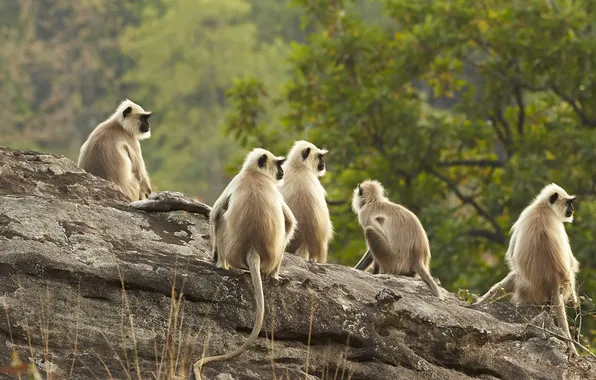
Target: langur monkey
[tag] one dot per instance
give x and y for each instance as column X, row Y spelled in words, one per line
column 394, row 235
column 305, row 196
column 542, row 267
column 251, row 225
column 113, row 152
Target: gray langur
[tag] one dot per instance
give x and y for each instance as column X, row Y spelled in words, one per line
column 113, row 152
column 542, row 268
column 305, row 196
column 394, row 235
column 251, row 225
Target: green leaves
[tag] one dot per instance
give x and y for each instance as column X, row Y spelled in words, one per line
column 463, row 110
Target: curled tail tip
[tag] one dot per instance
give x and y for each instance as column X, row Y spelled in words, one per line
column 197, row 370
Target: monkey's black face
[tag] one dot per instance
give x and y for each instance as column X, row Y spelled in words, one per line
column 569, row 208
column 321, row 165
column 280, row 171
column 144, row 123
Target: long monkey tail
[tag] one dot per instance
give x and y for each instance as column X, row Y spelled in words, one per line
column 426, row 277
column 254, row 265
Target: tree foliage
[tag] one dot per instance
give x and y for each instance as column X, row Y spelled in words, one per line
column 55, row 88
column 184, row 70
column 463, row 110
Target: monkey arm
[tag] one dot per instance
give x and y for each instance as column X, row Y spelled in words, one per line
column 215, row 218
column 289, row 221
column 508, row 284
column 144, row 182
column 139, row 171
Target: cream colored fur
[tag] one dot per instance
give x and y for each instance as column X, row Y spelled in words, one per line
column 113, row 152
column 251, row 225
column 305, row 196
column 394, row 235
column 541, row 263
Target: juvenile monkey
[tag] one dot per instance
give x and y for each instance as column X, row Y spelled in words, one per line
column 542, row 266
column 251, row 226
column 394, row 235
column 305, row 196
column 113, row 152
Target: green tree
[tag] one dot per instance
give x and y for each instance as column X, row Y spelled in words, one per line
column 59, row 69
column 185, row 58
column 463, row 110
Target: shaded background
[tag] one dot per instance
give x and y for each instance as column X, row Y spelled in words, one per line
column 463, row 110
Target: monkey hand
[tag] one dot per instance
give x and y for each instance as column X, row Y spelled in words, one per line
column 145, row 190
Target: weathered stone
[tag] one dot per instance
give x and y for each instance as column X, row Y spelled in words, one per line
column 91, row 278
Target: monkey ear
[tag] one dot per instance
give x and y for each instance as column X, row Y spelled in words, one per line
column 360, row 190
column 126, row 112
column 305, row 153
column 553, row 198
column 262, row 160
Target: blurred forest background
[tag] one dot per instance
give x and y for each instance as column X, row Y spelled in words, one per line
column 463, row 110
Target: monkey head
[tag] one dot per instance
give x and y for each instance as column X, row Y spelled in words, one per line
column 307, row 155
column 367, row 192
column 558, row 200
column 266, row 162
column 134, row 119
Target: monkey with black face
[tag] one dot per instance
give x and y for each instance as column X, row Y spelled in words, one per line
column 395, row 237
column 305, row 196
column 113, row 152
column 542, row 267
column 251, row 225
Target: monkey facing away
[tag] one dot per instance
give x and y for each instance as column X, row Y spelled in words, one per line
column 251, row 225
column 542, row 266
column 113, row 152
column 394, row 235
column 305, row 196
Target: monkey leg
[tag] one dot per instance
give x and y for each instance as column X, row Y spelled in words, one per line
column 423, row 272
column 573, row 295
column 508, row 283
column 379, row 247
column 303, row 252
column 559, row 306
column 317, row 251
column 131, row 189
column 376, row 268
column 276, row 271
column 221, row 262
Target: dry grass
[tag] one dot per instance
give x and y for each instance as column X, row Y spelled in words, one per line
column 174, row 356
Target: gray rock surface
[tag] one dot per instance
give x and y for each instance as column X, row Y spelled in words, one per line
column 91, row 288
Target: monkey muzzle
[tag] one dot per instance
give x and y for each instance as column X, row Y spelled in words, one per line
column 569, row 209
column 280, row 175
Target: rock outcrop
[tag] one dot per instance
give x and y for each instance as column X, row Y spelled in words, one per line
column 94, row 288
